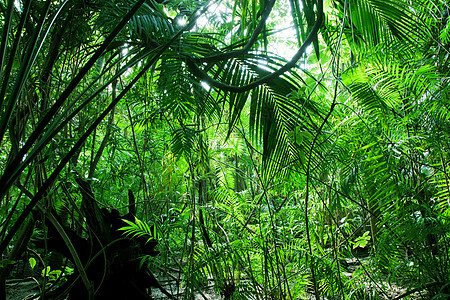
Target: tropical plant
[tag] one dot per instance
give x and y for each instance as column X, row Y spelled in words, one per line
column 273, row 176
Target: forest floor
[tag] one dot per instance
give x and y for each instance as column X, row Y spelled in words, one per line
column 28, row 288
column 21, row 289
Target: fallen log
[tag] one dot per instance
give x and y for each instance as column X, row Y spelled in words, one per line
column 111, row 261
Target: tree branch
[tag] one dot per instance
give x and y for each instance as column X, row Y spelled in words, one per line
column 251, row 41
column 202, row 75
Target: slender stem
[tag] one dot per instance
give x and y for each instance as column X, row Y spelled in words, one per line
column 11, row 172
column 308, row 178
column 29, row 58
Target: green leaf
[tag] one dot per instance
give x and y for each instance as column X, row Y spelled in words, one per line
column 32, row 262
column 362, row 241
column 45, row 271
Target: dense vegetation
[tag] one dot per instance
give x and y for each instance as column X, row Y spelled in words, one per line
column 273, row 149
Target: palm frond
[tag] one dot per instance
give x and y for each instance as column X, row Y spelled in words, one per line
column 184, row 141
column 382, row 22
column 137, row 229
column 280, row 115
column 149, row 29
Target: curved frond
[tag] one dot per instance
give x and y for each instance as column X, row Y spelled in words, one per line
column 184, row 141
column 392, row 24
column 137, row 229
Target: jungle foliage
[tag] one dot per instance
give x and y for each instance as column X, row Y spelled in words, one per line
column 262, row 149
